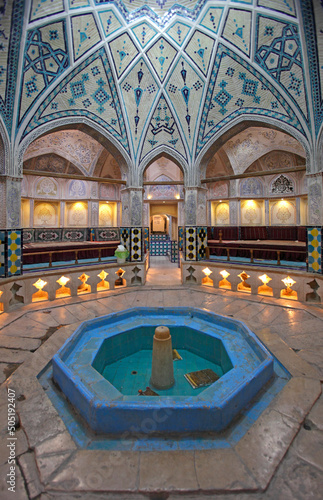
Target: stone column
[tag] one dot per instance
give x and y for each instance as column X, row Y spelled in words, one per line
column 315, row 199
column 190, row 206
column 201, row 215
column 298, row 210
column 267, row 218
column 62, row 214
column 10, row 199
column 132, row 206
column 10, row 215
column 93, row 213
column 145, row 214
column 234, row 212
column 31, row 213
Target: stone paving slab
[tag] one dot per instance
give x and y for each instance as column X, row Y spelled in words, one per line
column 258, row 463
column 98, row 470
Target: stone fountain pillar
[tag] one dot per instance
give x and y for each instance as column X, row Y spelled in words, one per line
column 162, row 369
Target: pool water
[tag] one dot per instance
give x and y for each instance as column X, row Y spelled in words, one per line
column 121, row 373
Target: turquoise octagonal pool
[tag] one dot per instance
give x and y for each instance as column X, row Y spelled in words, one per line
column 107, row 360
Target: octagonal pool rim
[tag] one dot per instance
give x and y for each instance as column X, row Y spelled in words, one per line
column 106, row 410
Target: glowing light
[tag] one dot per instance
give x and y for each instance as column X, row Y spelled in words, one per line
column 177, row 196
column 40, row 284
column 265, row 279
column 224, row 274
column 288, row 282
column 220, row 201
column 149, row 197
column 107, row 202
column 243, row 276
column 207, row 271
column 84, row 277
column 102, row 275
column 62, row 280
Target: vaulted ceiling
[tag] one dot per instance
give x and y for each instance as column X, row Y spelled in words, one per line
column 160, row 75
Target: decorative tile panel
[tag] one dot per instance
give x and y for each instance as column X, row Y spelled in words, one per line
column 43, row 235
column 190, row 243
column 123, row 52
column 201, row 242
column 144, row 33
column 85, row 34
column 46, row 58
column 199, row 49
column 89, row 91
column 74, row 234
column 163, row 130
column 212, row 19
column 314, row 249
column 237, row 29
column 235, row 88
column 136, row 244
column 279, row 53
column 110, row 22
column 125, row 237
column 185, row 89
column 146, row 239
column 41, row 9
column 28, row 236
column 14, row 252
column 161, row 55
column 181, row 238
column 107, row 234
column 2, row 254
column 178, row 32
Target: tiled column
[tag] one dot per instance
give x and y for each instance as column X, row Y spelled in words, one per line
column 11, row 234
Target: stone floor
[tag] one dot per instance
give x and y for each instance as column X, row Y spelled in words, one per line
column 283, row 460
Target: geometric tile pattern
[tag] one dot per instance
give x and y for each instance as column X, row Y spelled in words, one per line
column 8, row 65
column 178, row 32
column 212, row 19
column 123, row 52
column 159, row 247
column 43, row 8
column 146, row 239
column 162, row 130
column 235, row 88
column 185, row 89
column 237, row 29
column 139, row 91
column 279, row 54
column 159, row 11
column 46, row 58
column 14, row 252
column 88, row 91
column 85, row 34
column 2, row 253
column 201, row 242
column 286, row 6
column 144, row 33
column 125, row 237
column 161, row 55
column 314, row 59
column 190, row 243
column 180, row 238
column 174, row 251
column 314, row 249
column 199, row 49
column 76, row 4
column 136, row 244
column 110, row 23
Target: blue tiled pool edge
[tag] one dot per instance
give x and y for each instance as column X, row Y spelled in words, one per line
column 106, row 410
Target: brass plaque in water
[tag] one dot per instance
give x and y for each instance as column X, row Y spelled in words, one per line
column 201, row 378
